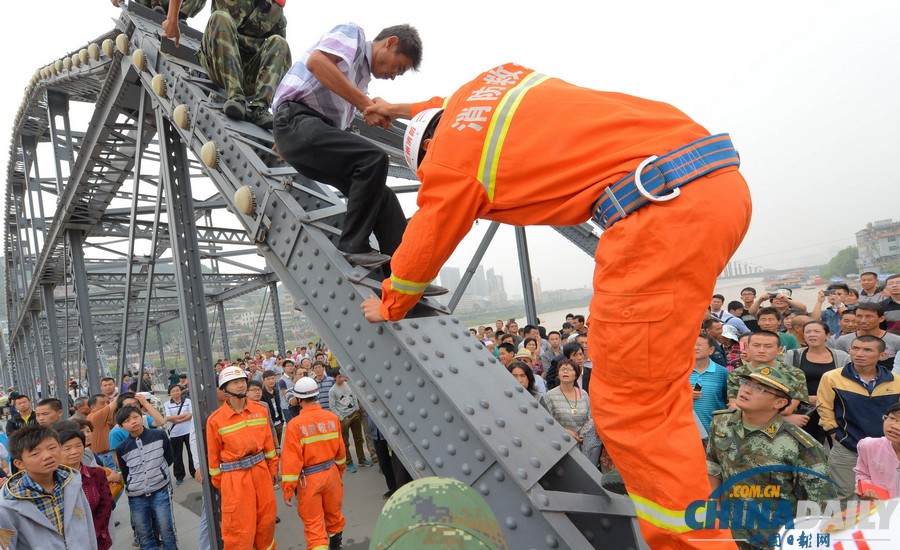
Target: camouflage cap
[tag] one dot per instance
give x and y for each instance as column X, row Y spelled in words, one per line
column 439, row 513
column 774, row 378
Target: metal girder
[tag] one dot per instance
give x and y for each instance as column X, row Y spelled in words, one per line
column 119, row 227
column 414, row 376
column 83, row 309
column 583, row 236
column 84, row 191
column 185, row 250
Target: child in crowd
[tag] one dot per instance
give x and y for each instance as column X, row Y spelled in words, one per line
column 93, row 483
column 43, row 505
column 145, row 458
column 878, row 464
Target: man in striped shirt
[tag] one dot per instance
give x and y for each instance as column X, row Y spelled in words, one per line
column 314, row 105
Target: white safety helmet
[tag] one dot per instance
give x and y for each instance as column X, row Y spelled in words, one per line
column 415, row 134
column 231, row 373
column 305, row 388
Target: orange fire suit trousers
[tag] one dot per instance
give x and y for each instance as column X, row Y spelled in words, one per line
column 655, row 272
column 319, row 506
column 248, row 509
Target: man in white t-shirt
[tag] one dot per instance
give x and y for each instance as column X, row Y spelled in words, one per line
column 178, row 414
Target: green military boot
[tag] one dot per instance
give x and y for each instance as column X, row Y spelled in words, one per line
column 261, row 116
column 235, row 110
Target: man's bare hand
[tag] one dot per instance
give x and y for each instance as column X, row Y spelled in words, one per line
column 171, row 30
column 372, row 310
column 381, row 107
column 287, row 500
column 198, row 476
column 375, row 119
column 115, row 3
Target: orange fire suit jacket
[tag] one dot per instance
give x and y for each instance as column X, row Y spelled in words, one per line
column 231, row 436
column 519, row 147
column 311, row 437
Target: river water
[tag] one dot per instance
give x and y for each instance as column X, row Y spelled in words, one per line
column 730, row 288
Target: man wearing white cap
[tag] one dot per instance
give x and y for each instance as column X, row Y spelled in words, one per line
column 242, row 465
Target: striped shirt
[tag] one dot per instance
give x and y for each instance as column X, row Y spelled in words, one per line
column 145, row 462
column 348, row 42
column 324, row 387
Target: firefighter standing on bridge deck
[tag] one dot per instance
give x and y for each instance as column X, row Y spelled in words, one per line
column 243, row 465
column 313, row 461
column 514, row 145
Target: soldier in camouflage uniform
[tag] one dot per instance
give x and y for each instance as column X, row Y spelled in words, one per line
column 763, row 347
column 755, row 436
column 189, row 8
column 440, row 513
column 244, row 51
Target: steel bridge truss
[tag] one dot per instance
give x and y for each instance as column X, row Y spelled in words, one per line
column 116, row 227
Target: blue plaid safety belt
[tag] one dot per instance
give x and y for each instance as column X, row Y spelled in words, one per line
column 316, row 468
column 243, row 464
column 657, row 175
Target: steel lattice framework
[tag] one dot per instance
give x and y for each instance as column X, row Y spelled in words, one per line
column 93, row 215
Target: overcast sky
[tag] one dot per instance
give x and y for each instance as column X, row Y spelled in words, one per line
column 807, row 89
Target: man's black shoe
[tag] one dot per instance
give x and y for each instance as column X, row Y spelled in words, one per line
column 334, row 541
column 435, row 290
column 367, row 259
column 612, row 482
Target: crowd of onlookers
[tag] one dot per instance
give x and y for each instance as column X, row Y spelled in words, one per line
column 838, row 359
column 135, row 442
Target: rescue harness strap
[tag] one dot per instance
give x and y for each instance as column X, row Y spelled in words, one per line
column 665, row 173
column 243, row 464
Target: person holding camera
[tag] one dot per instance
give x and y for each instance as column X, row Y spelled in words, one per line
column 781, row 300
column 836, row 294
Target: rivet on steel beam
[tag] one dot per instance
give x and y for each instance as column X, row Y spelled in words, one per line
column 158, row 84
column 122, row 44
column 181, row 116
column 139, row 59
column 209, row 154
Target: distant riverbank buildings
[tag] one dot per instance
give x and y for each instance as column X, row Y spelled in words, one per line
column 878, row 245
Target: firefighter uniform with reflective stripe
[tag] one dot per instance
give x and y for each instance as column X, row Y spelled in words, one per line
column 233, row 439
column 518, row 147
column 312, row 441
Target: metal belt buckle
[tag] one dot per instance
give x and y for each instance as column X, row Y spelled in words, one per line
column 643, row 191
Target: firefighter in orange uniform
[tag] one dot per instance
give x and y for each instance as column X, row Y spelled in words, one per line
column 243, row 465
column 513, row 145
column 313, row 461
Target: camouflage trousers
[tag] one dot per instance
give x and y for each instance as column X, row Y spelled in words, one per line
column 248, row 68
column 189, row 8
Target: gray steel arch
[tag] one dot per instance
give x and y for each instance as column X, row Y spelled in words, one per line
column 68, row 276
